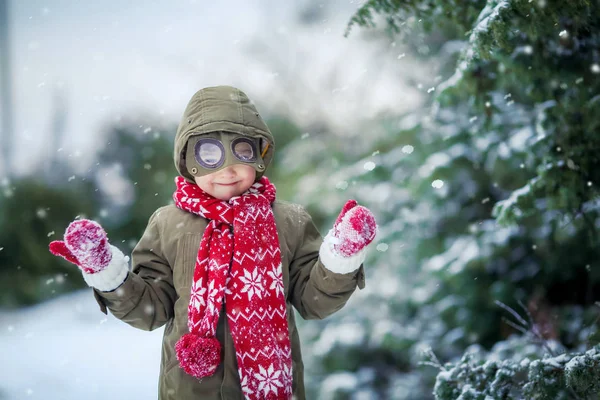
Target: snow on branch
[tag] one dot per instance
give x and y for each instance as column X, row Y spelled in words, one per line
column 480, row 40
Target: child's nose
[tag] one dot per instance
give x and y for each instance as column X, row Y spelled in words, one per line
column 228, row 171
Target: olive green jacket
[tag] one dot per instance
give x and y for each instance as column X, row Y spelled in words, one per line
column 156, row 291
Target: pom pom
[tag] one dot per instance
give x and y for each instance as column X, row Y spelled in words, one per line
column 198, row 356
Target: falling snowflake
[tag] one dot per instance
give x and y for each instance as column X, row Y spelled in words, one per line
column 437, row 184
column 407, row 149
column 382, row 247
column 342, row 185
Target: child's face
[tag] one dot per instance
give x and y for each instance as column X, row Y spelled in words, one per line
column 228, row 182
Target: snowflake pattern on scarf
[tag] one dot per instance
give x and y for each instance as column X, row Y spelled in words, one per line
column 251, row 289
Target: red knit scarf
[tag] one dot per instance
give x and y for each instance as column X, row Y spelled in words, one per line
column 243, row 270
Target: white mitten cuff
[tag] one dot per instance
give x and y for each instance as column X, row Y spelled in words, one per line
column 336, row 262
column 113, row 275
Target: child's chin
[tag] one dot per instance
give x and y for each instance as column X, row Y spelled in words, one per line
column 226, row 195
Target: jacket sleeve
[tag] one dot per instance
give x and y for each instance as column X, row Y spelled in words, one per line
column 146, row 298
column 315, row 290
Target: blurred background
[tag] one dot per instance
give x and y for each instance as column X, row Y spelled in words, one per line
column 471, row 131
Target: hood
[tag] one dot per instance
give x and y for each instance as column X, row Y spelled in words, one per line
column 219, row 108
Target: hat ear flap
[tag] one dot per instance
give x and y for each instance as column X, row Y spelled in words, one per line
column 266, row 155
column 183, row 165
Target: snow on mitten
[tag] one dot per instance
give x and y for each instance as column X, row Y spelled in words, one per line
column 343, row 247
column 86, row 245
column 354, row 229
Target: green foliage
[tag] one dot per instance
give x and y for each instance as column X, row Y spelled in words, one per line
column 142, row 155
column 541, row 55
column 546, row 380
column 475, row 380
column 528, row 373
column 285, row 169
column 582, row 373
column 32, row 214
column 490, row 195
column 398, row 12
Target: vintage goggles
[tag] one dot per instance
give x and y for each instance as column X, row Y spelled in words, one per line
column 208, row 153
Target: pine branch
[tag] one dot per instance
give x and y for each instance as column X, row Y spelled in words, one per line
column 526, row 310
column 512, row 312
column 517, row 327
column 433, row 360
column 527, row 327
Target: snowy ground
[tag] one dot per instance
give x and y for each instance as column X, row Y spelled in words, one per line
column 67, row 349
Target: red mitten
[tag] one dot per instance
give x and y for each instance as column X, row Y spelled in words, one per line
column 85, row 245
column 353, row 229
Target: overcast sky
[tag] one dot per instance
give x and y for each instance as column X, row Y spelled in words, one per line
column 112, row 59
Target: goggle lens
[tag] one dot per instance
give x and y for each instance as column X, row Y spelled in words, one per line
column 209, row 153
column 243, row 150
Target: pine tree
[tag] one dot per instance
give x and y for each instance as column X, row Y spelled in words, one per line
column 490, row 195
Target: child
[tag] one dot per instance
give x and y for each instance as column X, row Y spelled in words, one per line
column 223, row 266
